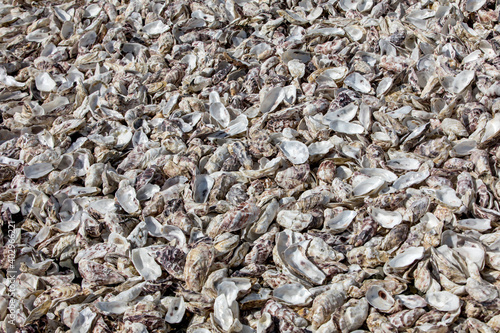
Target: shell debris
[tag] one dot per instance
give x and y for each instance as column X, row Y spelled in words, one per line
column 250, row 166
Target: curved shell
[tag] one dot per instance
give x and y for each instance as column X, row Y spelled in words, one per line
column 38, row 170
column 295, row 151
column 407, row 258
column 386, row 219
column 298, row 263
column 295, row 294
column 145, row 264
column 342, row 221
column 201, row 188
column 126, row 197
column 443, row 301
column 346, row 128
column 368, row 186
column 176, row 308
column 357, row 82
column 379, row 298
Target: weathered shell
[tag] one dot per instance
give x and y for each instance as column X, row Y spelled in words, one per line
column 99, row 273
column 326, row 303
column 357, row 82
column 235, row 219
column 242, row 166
column 38, row 170
column 198, row 262
column 295, row 258
column 293, row 176
column 294, row 220
column 84, row 321
column 288, row 320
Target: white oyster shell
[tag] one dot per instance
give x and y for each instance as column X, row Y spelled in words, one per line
column 176, row 307
column 480, row 225
column 379, row 298
column 443, row 301
column 202, row 186
column 357, row 82
column 295, row 294
column 368, row 186
column 145, row 264
column 407, row 258
column 384, row 174
column 111, row 307
column 403, row 164
column 492, row 128
column 448, row 196
column 410, row 178
column 384, row 85
column 347, row 113
column 38, row 170
column 464, row 147
column 295, row 151
column 219, row 112
column 126, row 197
column 386, row 219
column 474, row 5
column 298, row 263
column 346, row 128
column 341, row 221
column 411, row 301
column 272, row 99
column 45, row 83
column 84, row 321
column 155, row 28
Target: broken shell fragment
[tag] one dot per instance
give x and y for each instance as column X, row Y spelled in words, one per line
column 38, row 170
column 357, row 82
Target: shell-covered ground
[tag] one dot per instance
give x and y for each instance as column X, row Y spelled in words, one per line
column 250, row 166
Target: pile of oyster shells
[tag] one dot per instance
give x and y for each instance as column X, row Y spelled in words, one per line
column 250, row 166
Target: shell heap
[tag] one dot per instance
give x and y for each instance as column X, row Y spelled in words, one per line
column 250, row 166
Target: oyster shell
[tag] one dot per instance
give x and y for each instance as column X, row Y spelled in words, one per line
column 248, row 166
